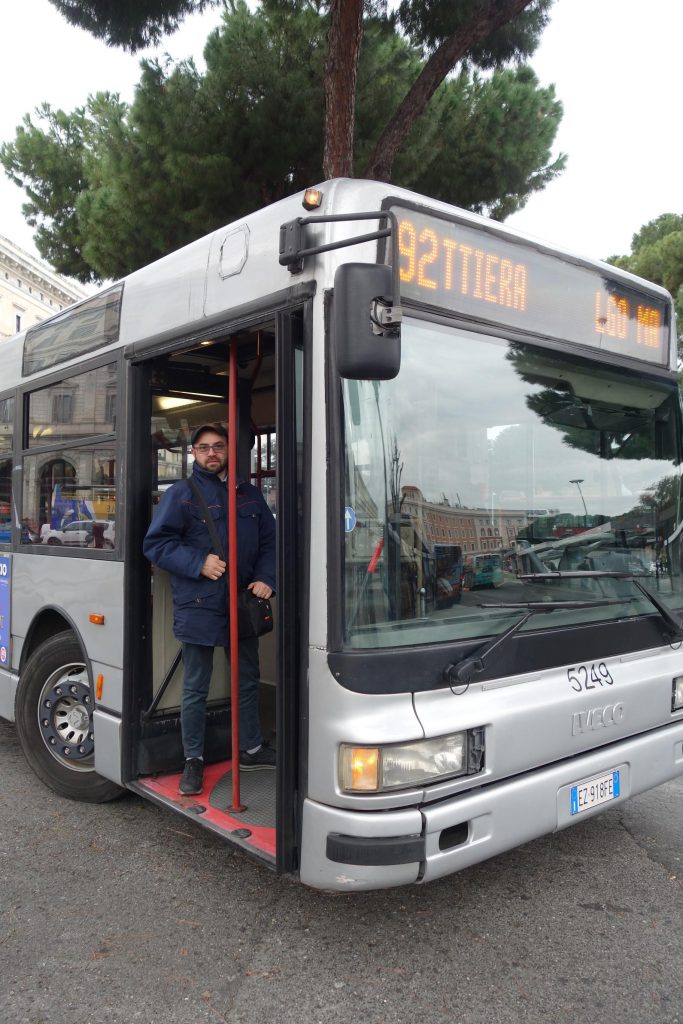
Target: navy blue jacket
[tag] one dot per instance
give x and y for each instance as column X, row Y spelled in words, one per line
column 178, row 541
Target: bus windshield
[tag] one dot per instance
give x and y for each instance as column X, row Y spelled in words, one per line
column 486, row 461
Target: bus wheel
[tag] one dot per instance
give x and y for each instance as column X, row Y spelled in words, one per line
column 54, row 713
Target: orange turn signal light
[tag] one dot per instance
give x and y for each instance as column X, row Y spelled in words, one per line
column 359, row 768
column 99, row 686
column 97, row 620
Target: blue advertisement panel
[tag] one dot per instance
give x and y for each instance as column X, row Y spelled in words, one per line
column 5, row 572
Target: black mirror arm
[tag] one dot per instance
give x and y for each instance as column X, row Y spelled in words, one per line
column 386, row 310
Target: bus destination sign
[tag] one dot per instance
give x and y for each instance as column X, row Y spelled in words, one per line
column 474, row 272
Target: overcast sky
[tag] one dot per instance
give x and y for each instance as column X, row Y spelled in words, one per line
column 615, row 65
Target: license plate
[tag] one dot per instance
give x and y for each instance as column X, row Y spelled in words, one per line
column 593, row 792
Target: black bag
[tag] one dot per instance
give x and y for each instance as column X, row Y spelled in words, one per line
column 254, row 614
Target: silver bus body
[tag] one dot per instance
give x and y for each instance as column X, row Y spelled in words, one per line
column 545, row 730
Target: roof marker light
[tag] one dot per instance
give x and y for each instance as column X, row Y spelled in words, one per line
column 313, row 197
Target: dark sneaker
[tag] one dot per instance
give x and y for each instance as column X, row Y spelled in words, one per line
column 192, row 780
column 264, row 757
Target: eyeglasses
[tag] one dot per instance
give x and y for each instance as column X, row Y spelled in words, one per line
column 204, row 449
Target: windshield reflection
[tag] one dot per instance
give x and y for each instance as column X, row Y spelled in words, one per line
column 487, row 460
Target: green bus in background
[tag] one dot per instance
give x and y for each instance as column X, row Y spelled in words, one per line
column 483, row 569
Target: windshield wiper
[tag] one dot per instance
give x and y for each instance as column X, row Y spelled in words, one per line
column 577, row 574
column 462, row 673
column 671, row 619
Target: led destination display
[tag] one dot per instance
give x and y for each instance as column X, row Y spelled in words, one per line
column 472, row 271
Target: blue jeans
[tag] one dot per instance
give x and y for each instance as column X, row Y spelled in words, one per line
column 198, row 664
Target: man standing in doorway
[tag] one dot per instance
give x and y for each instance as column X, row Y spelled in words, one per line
column 179, row 541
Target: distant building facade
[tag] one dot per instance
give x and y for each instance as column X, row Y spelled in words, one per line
column 30, row 290
column 472, row 529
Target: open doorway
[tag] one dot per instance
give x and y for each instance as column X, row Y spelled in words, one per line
column 185, row 389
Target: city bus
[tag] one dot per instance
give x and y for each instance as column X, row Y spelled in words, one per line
column 483, row 569
column 448, row 568
column 363, row 344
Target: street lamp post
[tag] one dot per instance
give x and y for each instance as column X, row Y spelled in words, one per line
column 585, row 510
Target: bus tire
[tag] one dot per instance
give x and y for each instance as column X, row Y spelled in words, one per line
column 54, row 711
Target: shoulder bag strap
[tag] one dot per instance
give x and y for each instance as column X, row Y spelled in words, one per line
column 208, row 518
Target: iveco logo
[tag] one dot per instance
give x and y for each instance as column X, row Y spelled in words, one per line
column 597, row 718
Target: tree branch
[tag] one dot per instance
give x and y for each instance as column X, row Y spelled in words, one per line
column 489, row 16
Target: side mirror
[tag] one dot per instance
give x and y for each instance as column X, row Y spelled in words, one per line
column 366, row 331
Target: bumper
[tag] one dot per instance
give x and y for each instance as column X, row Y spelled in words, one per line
column 418, row 844
column 8, row 694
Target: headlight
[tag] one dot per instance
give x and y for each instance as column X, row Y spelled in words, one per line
column 677, row 694
column 399, row 765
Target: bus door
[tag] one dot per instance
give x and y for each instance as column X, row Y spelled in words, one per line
column 178, row 392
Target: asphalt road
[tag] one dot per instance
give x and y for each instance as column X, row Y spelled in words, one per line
column 123, row 913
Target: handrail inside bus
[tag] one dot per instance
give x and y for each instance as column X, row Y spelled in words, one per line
column 146, row 715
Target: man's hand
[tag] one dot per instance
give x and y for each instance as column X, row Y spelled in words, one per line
column 260, row 589
column 213, row 568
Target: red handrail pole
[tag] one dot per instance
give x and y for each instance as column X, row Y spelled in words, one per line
column 232, row 579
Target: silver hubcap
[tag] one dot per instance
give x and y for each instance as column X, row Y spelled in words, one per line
column 65, row 718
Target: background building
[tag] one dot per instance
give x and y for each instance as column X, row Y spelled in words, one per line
column 472, row 529
column 30, row 290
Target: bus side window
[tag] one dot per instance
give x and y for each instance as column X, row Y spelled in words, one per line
column 6, row 438
column 263, row 466
column 69, row 489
